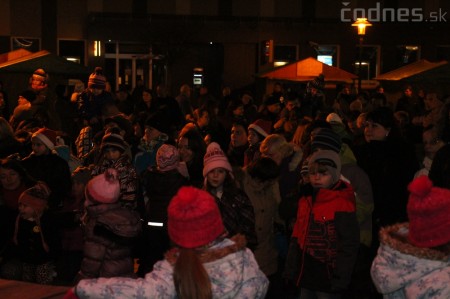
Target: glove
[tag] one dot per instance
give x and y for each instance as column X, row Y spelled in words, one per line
column 71, row 294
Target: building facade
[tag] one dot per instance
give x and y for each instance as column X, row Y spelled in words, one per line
column 229, row 41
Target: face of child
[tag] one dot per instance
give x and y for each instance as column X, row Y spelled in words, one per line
column 216, row 177
column 26, row 211
column 112, row 153
column 253, row 137
column 39, row 148
column 151, row 133
column 375, row 131
column 186, row 153
column 203, row 120
column 320, row 177
column 238, row 136
column 10, row 179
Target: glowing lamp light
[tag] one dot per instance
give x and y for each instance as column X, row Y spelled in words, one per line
column 97, row 48
column 361, row 24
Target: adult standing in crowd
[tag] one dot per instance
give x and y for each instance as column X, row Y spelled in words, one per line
column 390, row 162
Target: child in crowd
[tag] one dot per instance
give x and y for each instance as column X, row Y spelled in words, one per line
column 155, row 135
column 159, row 184
column 44, row 164
column 35, row 235
column 234, row 205
column 257, row 131
column 109, row 230
column 113, row 151
column 204, row 264
column 325, row 239
column 413, row 258
column 69, row 223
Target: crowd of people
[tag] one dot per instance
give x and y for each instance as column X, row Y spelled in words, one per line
column 295, row 195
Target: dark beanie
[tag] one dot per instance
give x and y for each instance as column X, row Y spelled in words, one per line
column 326, row 139
column 158, row 122
column 383, row 116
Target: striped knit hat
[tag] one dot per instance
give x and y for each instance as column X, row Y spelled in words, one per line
column 96, row 79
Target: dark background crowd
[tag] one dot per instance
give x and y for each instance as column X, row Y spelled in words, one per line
column 54, row 145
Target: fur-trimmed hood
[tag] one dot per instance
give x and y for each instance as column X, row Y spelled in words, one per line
column 401, row 270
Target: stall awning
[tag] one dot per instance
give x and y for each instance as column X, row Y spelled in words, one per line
column 23, row 61
column 306, row 70
column 419, row 68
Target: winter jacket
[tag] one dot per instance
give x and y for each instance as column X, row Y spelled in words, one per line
column 237, row 214
column 109, row 233
column 159, row 188
column 391, row 166
column 235, row 275
column 326, row 234
column 265, row 197
column 31, row 238
column 402, row 270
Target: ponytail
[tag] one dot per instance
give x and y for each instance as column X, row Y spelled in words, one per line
column 190, row 277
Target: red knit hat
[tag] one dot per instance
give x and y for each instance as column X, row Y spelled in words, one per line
column 215, row 158
column 262, row 127
column 193, row 218
column 46, row 136
column 428, row 212
column 104, row 188
column 36, row 197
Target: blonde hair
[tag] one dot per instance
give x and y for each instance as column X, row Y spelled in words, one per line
column 276, row 142
column 190, row 277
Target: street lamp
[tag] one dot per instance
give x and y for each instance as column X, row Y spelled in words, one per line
column 361, row 24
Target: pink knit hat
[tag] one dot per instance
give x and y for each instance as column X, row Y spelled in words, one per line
column 215, row 158
column 46, row 136
column 262, row 127
column 167, row 157
column 193, row 218
column 104, row 188
column 428, row 213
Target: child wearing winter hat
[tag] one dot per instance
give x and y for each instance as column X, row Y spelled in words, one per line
column 234, row 205
column 35, row 235
column 109, row 230
column 44, row 164
column 159, row 184
column 155, row 134
column 413, row 258
column 328, row 207
column 257, row 131
column 202, row 265
column 113, row 155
